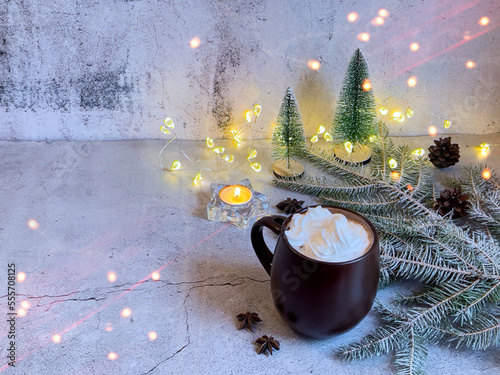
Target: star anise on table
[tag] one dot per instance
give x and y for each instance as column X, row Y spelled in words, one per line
column 267, row 343
column 248, row 319
column 290, row 206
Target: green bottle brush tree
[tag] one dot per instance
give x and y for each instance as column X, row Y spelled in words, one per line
column 354, row 120
column 288, row 139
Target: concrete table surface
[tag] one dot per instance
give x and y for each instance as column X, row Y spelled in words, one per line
column 107, row 208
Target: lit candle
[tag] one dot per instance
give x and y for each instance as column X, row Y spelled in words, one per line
column 235, row 194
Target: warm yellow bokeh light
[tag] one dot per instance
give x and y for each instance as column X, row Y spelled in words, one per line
column 383, row 13
column 419, row 152
column 485, row 149
column 219, row 150
column 257, row 108
column 176, row 165
column 169, row 123
column 152, row 335
column 352, row 17
column 414, row 47
column 256, row 167
column 412, row 81
column 485, row 146
column 432, row 130
column 56, row 338
column 397, row 116
column 470, row 64
column 392, row 163
column 248, row 116
column 367, row 84
column 209, row 142
column 197, row 179
column 486, row 174
column 21, row 312
column 126, row 312
column 164, row 130
column 484, row 21
column 195, row 42
column 111, row 276
column 33, row 224
column 25, row 304
column 409, row 112
column 446, row 124
column 348, row 147
column 238, row 138
column 228, row 157
column 377, row 21
column 314, row 64
column 314, row 138
column 112, row 356
column 372, row 138
column 21, row 276
column 383, row 111
column 252, row 154
column 395, row 175
column 364, row 37
column 327, row 137
column 155, row 276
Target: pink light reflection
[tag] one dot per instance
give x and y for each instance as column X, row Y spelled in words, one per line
column 107, row 304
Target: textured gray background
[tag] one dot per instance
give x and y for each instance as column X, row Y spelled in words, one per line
column 113, row 69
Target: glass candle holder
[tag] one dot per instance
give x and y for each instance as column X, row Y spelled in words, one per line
column 239, row 214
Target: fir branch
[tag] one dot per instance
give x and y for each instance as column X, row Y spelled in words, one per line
column 460, row 266
column 383, row 149
column 382, row 341
column 411, row 355
column 481, row 334
column 333, row 165
column 489, row 294
column 409, row 268
column 438, row 303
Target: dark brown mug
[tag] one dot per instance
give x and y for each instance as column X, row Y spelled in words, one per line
column 314, row 297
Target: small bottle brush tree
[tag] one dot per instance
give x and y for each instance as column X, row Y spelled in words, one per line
column 288, row 139
column 354, row 120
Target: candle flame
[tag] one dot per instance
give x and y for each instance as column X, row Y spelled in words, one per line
column 237, row 192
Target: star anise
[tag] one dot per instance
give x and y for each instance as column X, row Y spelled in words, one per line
column 267, row 343
column 290, row 206
column 247, row 319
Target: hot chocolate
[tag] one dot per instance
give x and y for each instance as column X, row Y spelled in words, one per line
column 327, row 236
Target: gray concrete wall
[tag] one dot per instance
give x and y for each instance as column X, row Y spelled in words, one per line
column 113, row 69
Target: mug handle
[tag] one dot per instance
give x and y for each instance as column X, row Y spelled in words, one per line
column 265, row 255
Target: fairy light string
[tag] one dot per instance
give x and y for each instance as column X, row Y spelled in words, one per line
column 220, row 150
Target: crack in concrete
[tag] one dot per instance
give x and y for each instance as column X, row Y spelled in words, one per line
column 235, row 282
column 187, row 334
column 48, row 296
column 72, row 299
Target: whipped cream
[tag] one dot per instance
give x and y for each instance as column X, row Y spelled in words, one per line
column 322, row 235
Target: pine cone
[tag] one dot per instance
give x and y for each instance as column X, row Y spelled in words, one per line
column 452, row 200
column 444, row 153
